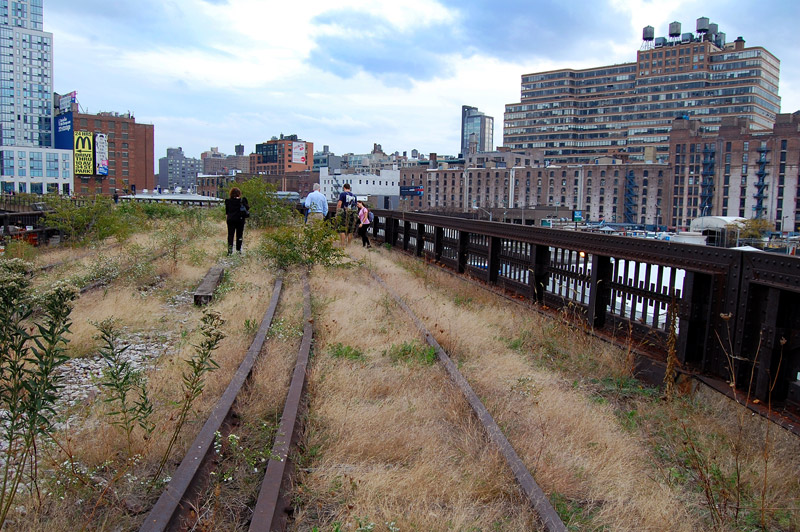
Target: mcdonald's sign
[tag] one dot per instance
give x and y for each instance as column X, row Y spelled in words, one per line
column 83, row 153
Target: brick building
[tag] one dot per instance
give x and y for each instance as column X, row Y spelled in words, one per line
column 736, row 171
column 626, row 110
column 130, row 154
column 287, row 154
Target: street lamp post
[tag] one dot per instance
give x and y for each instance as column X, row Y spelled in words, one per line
column 484, row 210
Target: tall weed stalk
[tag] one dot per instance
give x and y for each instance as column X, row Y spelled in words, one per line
column 194, row 377
column 33, row 334
column 120, row 380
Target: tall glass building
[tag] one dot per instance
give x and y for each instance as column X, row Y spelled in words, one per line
column 627, row 109
column 28, row 161
column 473, row 122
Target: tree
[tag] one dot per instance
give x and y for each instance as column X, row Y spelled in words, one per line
column 266, row 208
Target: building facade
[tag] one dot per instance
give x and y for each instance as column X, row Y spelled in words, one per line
column 281, row 155
column 385, row 183
column 29, row 163
column 477, row 131
column 626, row 110
column 177, row 170
column 736, row 171
column 130, row 154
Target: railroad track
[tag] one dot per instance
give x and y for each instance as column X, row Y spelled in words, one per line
column 648, row 368
column 173, row 510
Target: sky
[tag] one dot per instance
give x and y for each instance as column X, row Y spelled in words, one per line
column 352, row 73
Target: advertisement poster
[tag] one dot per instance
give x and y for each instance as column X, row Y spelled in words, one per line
column 101, row 154
column 84, row 153
column 66, row 101
column 63, row 136
column 299, row 152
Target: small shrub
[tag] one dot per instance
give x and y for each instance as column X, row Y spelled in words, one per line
column 304, row 245
column 33, row 334
column 412, row 353
column 339, row 350
column 19, row 249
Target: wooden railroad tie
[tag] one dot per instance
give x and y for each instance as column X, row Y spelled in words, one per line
column 205, row 292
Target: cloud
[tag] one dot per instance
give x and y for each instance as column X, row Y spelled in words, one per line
column 355, row 72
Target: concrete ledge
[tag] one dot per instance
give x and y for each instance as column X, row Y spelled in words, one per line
column 205, row 292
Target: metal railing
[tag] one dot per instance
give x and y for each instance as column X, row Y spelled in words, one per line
column 734, row 308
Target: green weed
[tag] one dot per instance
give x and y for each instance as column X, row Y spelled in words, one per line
column 412, row 352
column 339, row 350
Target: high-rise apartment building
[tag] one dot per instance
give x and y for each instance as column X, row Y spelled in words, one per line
column 28, row 161
column 477, row 131
column 177, row 170
column 628, row 109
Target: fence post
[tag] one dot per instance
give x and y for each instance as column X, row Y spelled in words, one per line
column 540, row 260
column 600, row 290
column 438, row 243
column 420, row 249
column 494, row 258
column 463, row 246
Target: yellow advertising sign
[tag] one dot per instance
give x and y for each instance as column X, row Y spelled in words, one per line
column 84, row 153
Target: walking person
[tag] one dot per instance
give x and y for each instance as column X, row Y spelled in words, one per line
column 346, row 211
column 317, row 204
column 363, row 224
column 237, row 210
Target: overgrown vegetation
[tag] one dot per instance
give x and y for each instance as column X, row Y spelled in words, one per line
column 266, row 208
column 95, row 219
column 33, row 335
column 120, row 380
column 92, row 219
column 195, row 377
column 303, row 245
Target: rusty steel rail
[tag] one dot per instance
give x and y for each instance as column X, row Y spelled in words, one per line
column 270, row 512
column 187, row 480
column 537, row 498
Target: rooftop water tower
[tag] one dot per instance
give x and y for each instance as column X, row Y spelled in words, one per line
column 674, row 31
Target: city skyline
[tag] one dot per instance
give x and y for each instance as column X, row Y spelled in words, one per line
column 217, row 73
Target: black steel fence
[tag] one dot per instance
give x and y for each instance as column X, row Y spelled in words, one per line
column 737, row 311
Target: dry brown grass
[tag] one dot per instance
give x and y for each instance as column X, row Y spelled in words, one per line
column 231, row 494
column 593, row 436
column 391, row 442
column 99, row 449
column 394, row 442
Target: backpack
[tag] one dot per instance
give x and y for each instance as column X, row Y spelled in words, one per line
column 370, row 216
column 350, row 201
column 243, row 212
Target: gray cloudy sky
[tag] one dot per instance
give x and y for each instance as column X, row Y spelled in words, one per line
column 352, row 73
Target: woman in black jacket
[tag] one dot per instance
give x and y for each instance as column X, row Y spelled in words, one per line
column 236, row 211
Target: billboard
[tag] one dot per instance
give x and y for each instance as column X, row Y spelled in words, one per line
column 299, row 152
column 66, row 101
column 412, row 190
column 101, row 154
column 63, row 136
column 83, row 153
